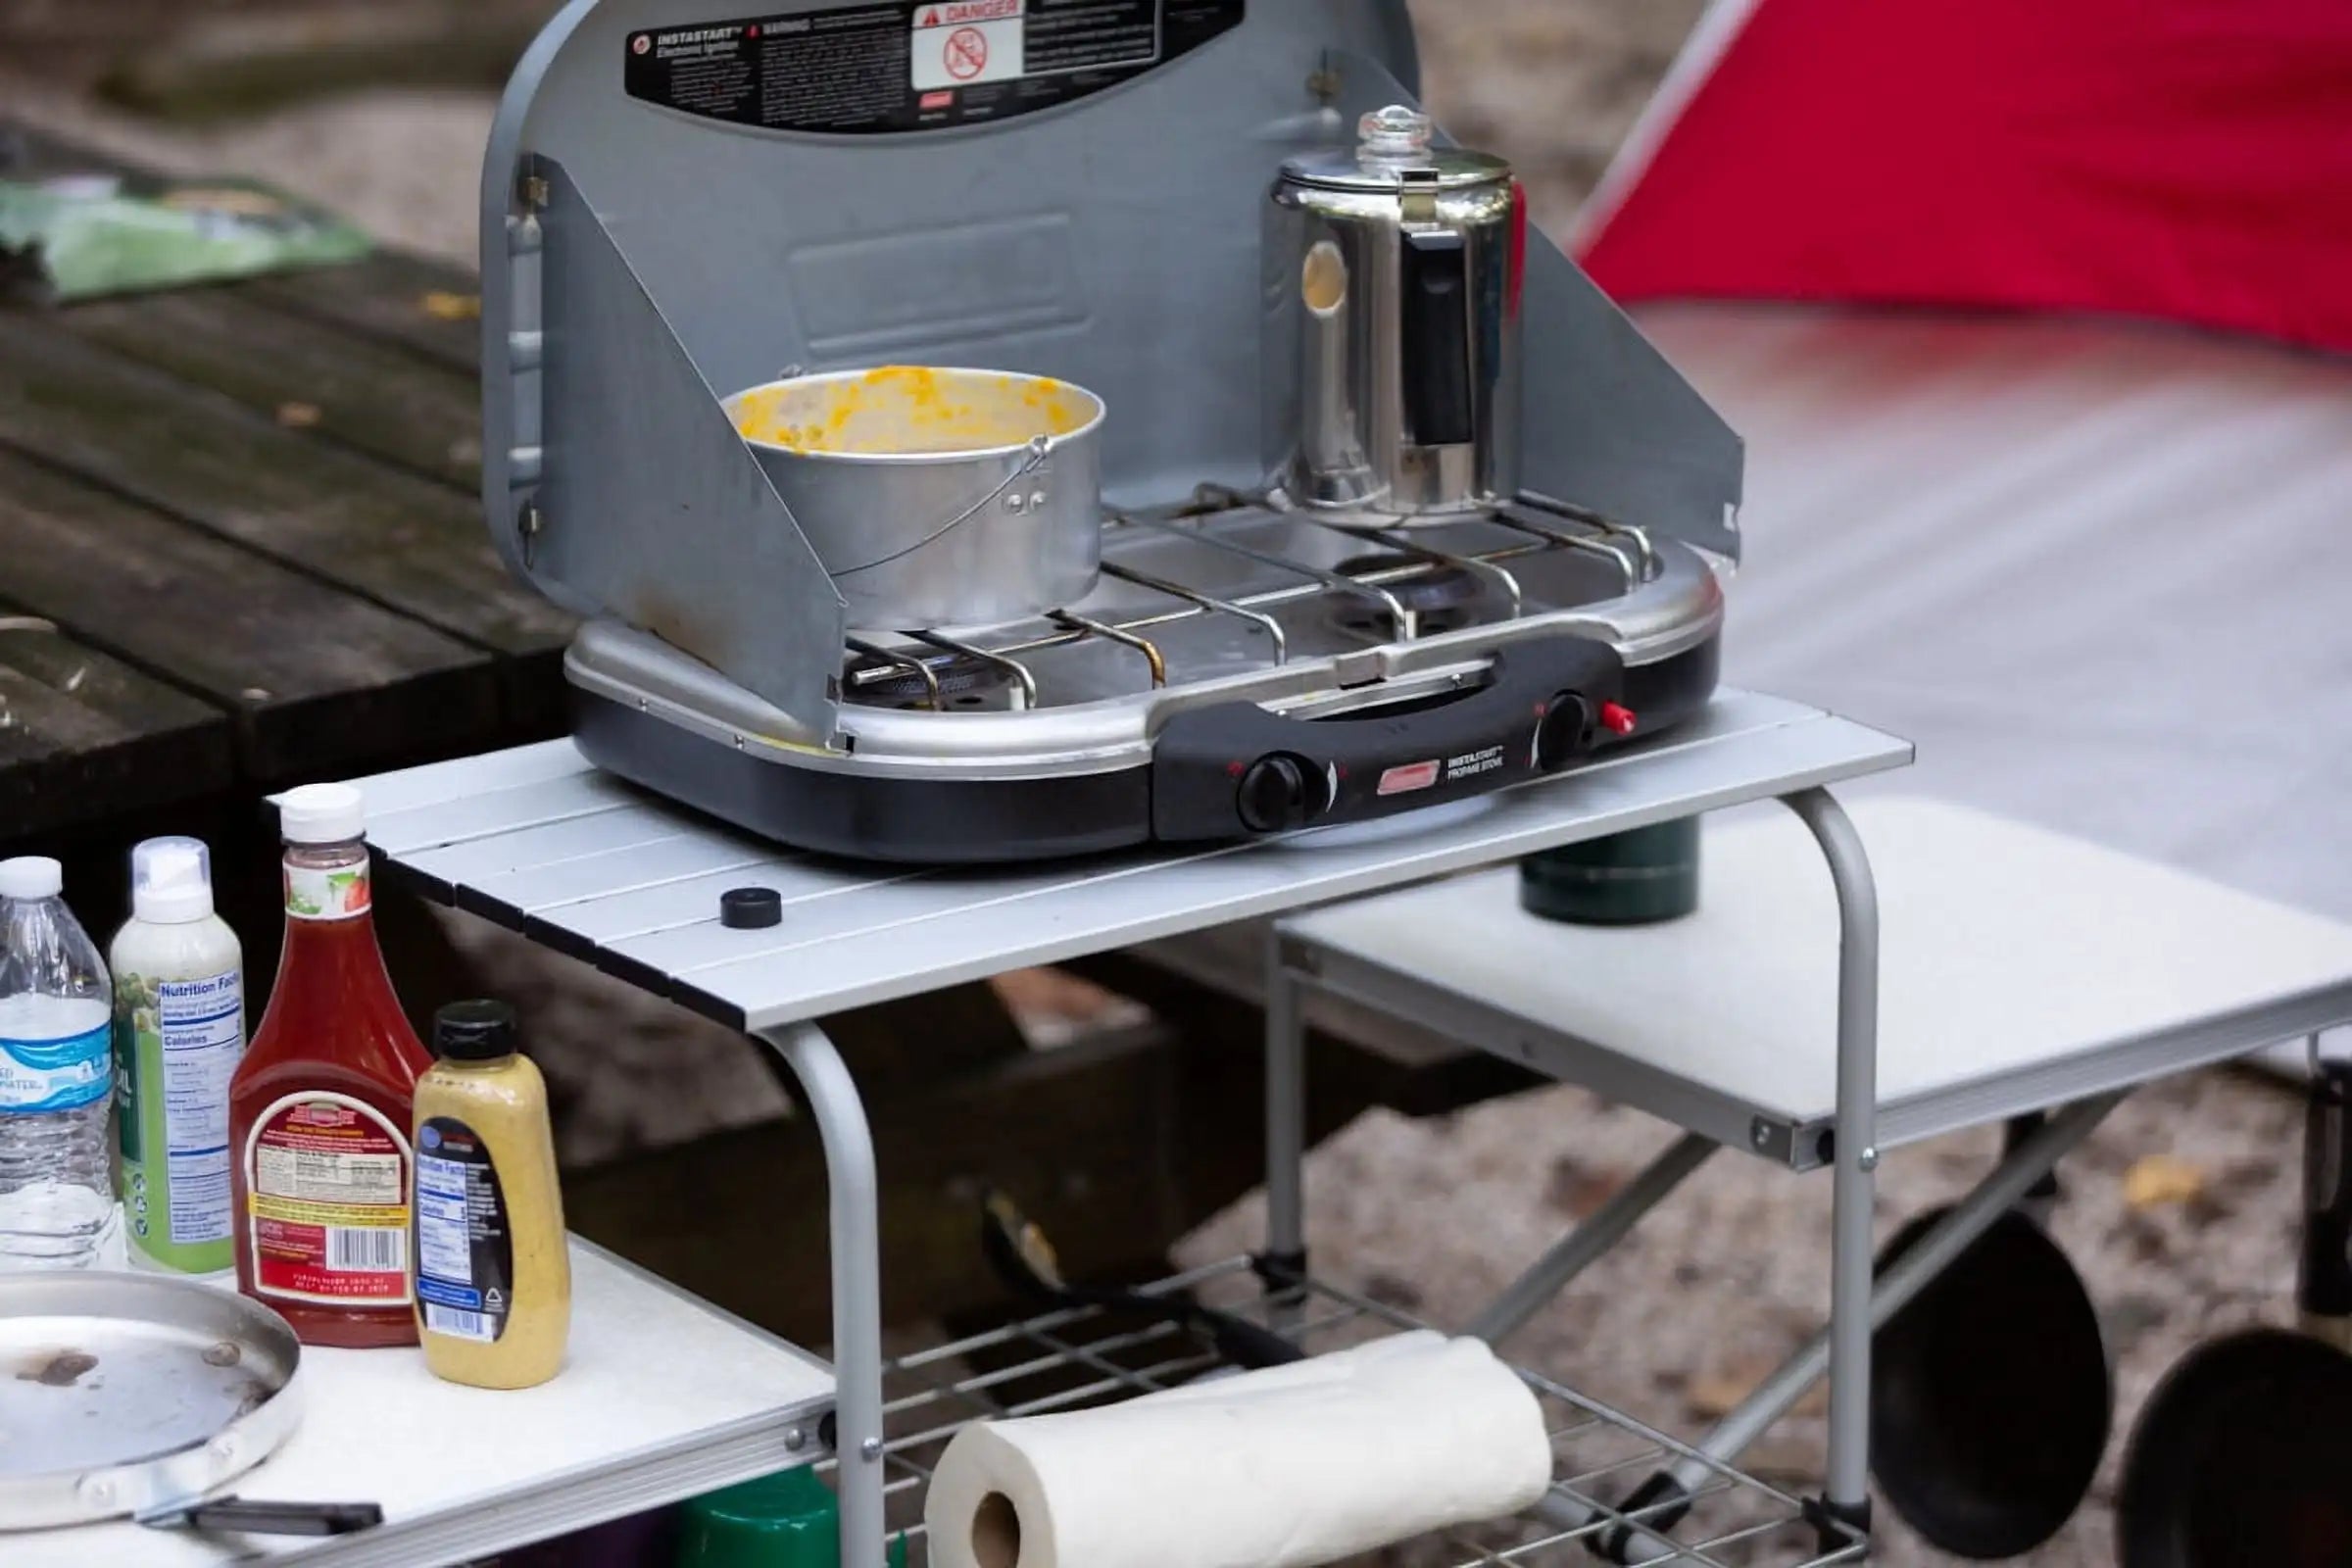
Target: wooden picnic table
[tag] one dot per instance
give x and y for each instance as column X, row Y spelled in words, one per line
column 249, row 513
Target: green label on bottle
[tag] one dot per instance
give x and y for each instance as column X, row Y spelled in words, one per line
column 177, row 1046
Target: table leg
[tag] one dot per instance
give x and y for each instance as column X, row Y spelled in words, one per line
column 855, row 1195
column 2022, row 1168
column 1847, row 1494
column 1591, row 1237
column 1285, row 1113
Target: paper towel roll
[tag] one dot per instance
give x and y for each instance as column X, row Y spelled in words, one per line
column 1285, row 1468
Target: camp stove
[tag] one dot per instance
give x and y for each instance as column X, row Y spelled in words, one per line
column 679, row 202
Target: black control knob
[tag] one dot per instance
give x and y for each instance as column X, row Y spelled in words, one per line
column 1563, row 732
column 1275, row 792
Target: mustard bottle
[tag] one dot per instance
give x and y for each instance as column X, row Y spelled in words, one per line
column 493, row 1268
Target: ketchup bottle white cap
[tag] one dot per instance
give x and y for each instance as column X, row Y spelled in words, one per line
column 321, row 814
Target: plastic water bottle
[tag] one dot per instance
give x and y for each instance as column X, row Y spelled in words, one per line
column 57, row 1197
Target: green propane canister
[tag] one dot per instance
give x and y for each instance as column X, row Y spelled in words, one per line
column 787, row 1520
column 1634, row 878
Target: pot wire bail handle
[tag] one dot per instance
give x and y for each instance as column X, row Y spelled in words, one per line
column 1041, row 447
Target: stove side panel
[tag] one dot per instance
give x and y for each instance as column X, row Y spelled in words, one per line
column 1111, row 240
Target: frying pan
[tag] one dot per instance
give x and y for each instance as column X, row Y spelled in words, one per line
column 140, row 1395
column 1024, row 1259
column 1990, row 1391
column 2244, row 1452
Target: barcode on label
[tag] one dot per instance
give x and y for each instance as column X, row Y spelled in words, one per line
column 367, row 1249
column 461, row 1324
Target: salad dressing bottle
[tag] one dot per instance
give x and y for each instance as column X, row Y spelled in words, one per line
column 179, row 1031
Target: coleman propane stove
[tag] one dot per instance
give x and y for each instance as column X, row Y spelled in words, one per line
column 1239, row 672
column 1395, row 508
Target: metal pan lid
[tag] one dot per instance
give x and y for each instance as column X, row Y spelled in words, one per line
column 122, row 1390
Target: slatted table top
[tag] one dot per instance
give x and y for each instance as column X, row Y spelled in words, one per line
column 537, row 839
column 247, row 515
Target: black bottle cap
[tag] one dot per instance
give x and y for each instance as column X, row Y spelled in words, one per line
column 474, row 1031
column 751, row 909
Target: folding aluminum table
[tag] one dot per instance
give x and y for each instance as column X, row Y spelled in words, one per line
column 2024, row 972
column 537, row 839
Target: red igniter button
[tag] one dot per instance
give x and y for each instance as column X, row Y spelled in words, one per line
column 1617, row 718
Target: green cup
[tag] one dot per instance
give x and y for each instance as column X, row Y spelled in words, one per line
column 1635, row 878
column 787, row 1520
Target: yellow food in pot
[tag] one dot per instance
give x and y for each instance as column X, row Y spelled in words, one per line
column 905, row 408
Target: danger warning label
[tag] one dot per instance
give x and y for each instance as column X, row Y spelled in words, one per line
column 969, row 11
column 913, row 65
column 956, row 45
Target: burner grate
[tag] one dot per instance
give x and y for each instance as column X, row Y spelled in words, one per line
column 1401, row 589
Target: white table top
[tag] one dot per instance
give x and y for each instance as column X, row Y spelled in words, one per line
column 660, row 1397
column 2096, row 569
column 2019, row 968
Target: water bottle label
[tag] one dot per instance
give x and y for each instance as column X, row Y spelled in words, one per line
column 38, row 1075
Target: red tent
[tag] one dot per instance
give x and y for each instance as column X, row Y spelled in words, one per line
column 2186, row 159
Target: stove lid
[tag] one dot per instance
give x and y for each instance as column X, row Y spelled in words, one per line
column 683, row 198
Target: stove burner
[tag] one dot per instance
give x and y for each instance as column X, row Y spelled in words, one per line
column 1441, row 597
column 964, row 683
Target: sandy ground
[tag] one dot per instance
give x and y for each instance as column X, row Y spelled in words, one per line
column 1729, row 1274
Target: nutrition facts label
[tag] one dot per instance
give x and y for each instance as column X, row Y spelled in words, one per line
column 464, row 1246
column 913, row 65
column 203, row 1032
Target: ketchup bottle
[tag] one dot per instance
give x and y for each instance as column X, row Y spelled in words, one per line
column 319, row 1112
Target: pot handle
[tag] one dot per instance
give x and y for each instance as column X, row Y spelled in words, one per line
column 1235, row 768
column 1041, row 447
column 235, row 1514
column 1436, row 339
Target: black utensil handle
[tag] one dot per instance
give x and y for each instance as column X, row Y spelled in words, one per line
column 280, row 1518
column 1247, row 1345
column 1234, row 769
column 2324, row 1287
column 1434, row 337
column 1238, row 1341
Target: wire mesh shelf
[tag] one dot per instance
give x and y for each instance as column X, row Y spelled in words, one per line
column 1077, row 1357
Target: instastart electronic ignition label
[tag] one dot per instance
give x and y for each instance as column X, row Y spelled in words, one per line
column 913, row 65
column 1407, row 778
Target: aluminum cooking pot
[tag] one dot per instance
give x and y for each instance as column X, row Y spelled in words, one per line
column 936, row 497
